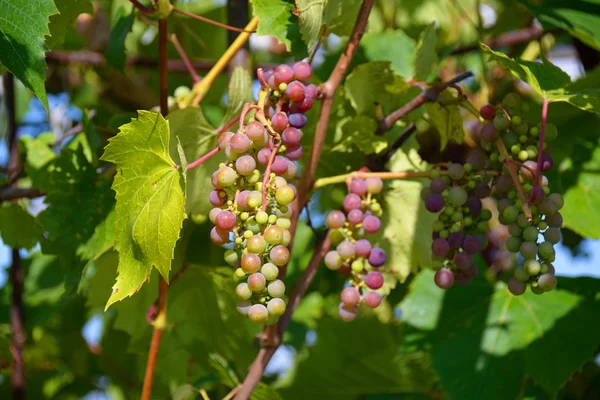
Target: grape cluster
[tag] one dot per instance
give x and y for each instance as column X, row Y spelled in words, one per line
column 460, row 229
column 252, row 215
column 353, row 252
column 522, row 139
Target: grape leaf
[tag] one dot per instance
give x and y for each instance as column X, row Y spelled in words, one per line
column 121, row 25
column 426, row 57
column 18, row 228
column 68, row 10
column 274, row 19
column 23, row 25
column 310, row 13
column 377, row 45
column 446, row 118
column 150, row 193
column 39, row 158
column 197, row 138
column 340, row 16
column 239, row 93
column 359, row 132
column 502, row 336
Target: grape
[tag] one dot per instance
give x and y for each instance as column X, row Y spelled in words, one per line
column 270, row 271
column 374, row 280
column 530, row 234
column 521, row 275
column 276, row 307
column 245, row 165
column 280, row 255
column 242, row 291
column 547, row 268
column 487, row 112
column 335, row 219
column 311, row 90
column 555, row 220
column 276, row 288
column 482, row 190
column 226, row 176
column 280, row 165
column 528, row 170
column 256, row 244
column 263, row 156
column 304, row 105
column 434, row 203
column 475, row 205
column 547, row 282
column 437, row 185
column 516, row 287
column 552, row 235
column 350, row 296
column 261, row 217
column 444, row 278
column 218, row 236
column 291, row 171
column 501, row 122
column 440, row 247
column 302, row 70
column 547, row 162
column 297, row 120
column 374, row 184
column 285, row 195
column 333, row 260
column 557, row 199
column 243, row 307
column 532, row 267
column 223, row 140
column 287, row 237
column 473, row 244
column 504, row 184
column 510, row 214
column 273, row 235
column 346, row 249
column 546, row 250
column 372, row 299
column 254, row 199
column 425, row 193
column 358, row 186
column 257, row 282
column 240, row 143
column 242, row 199
column 362, row 248
column 371, row 224
column 377, row 257
column 250, row 263
column 217, row 198
column 477, row 159
column 456, row 239
column 225, row 221
column 351, row 202
column 457, row 196
column 347, row 314
column 295, row 91
column 489, row 133
column 284, row 223
column 255, row 130
column 294, row 153
column 522, row 221
column 258, row 313
column 279, row 121
column 528, row 250
column 537, row 289
column 463, row 260
column 537, row 195
column 355, row 216
column 291, row 136
column 283, row 73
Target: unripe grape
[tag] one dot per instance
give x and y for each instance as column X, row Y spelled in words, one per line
column 557, row 199
column 440, row 247
column 273, row 234
column 347, row 314
column 257, row 282
column 437, row 185
column 515, row 230
column 546, row 251
column 528, row 250
column 269, row 271
column 550, row 133
column 333, row 261
column 374, row 184
column 501, row 122
column 513, row 244
column 243, row 307
column 516, row 287
column 285, row 195
column 537, row 289
column 250, row 263
column 510, row 214
column 357, row 265
column 258, row 313
column 350, row 296
column 374, row 280
column 362, row 248
column 532, row 267
column 371, row 224
column 346, row 249
column 212, row 214
column 377, row 257
column 547, row 282
column 335, row 219
column 287, row 237
column 521, row 274
column 530, row 234
column 485, row 215
column 280, row 255
column 276, row 288
column 256, row 244
column 444, row 278
column 245, row 165
column 457, row 196
column 219, row 237
column 254, row 199
column 552, row 235
column 276, row 307
column 242, row 291
column 555, row 220
column 284, row 223
column 226, row 176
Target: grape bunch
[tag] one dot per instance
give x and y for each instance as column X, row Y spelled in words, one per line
column 353, row 252
column 459, row 232
column 252, row 193
column 522, row 138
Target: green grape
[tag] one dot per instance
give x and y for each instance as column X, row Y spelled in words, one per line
column 276, row 307
column 485, row 215
column 425, row 192
column 256, row 244
column 530, row 234
column 501, row 122
column 536, row 289
column 231, row 257
column 457, row 217
column 557, row 199
column 512, row 101
column 444, row 234
column 437, row 225
column 272, row 219
column 333, row 261
column 521, row 275
column 532, row 267
column 270, row 271
column 258, row 313
column 242, row 291
column 513, row 244
column 523, row 155
column 534, row 131
column 248, row 234
column 336, row 237
column 284, row 223
column 542, row 225
column 523, row 139
column 510, row 213
column 276, row 288
column 552, row 235
column 240, row 273
column 273, row 235
column 254, row 199
column 285, row 195
column 528, row 250
column 515, row 230
column 449, row 210
column 456, row 171
column 262, row 217
column 358, row 265
column 482, row 227
column 287, row 238
column 510, row 139
column 515, row 149
column 522, row 221
column 252, row 225
column 546, row 250
column 468, row 221
column 457, row 196
column 516, row 120
column 181, row 92
column 435, row 173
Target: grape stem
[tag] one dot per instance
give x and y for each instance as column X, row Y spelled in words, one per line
column 538, row 174
column 513, row 174
column 203, row 158
column 210, row 21
column 267, row 176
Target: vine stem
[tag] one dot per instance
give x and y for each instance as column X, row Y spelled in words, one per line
column 161, row 318
column 201, row 88
column 203, row 158
column 210, row 21
column 538, row 174
column 328, row 89
column 267, row 177
column 513, row 174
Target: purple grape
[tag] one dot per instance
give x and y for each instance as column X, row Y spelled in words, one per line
column 434, row 203
column 477, row 159
column 355, row 216
column 374, row 280
column 297, row 120
column 362, row 248
column 489, row 133
column 291, row 136
column 358, row 186
column 440, row 247
column 302, row 70
column 463, row 260
column 304, row 105
column 474, row 205
column 547, row 162
column 377, row 258
column 311, row 90
column 295, row 91
column 372, row 299
column 466, row 276
column 280, row 165
column 504, row 184
column 294, row 153
column 351, row 202
column 444, row 278
column 437, row 185
column 217, row 198
column 537, row 195
column 456, row 239
column 279, row 121
column 371, row 224
column 482, row 190
column 473, row 244
column 350, row 296
column 283, row 74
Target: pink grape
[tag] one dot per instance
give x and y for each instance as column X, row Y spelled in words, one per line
column 371, row 224
column 291, row 136
column 437, row 185
column 217, row 198
column 377, row 257
column 444, row 278
column 280, row 165
column 224, row 139
column 374, row 184
column 295, row 91
column 291, row 171
column 280, row 255
column 302, row 70
column 362, row 247
column 372, row 299
column 346, row 249
column 374, row 280
column 528, row 170
column 350, row 296
column 297, row 120
column 214, row 182
column 283, row 74
column 250, row 263
column 335, row 219
column 304, row 105
column 547, row 162
column 332, row 260
column 263, row 156
column 347, row 314
column 258, row 313
column 351, row 202
column 242, row 199
column 358, row 186
column 240, row 143
column 225, row 220
column 243, row 292
column 245, row 165
column 311, row 90
column 226, row 176
column 279, row 121
column 276, row 288
column 294, row 153
column 255, row 130
column 355, row 216
column 212, row 214
column 218, row 236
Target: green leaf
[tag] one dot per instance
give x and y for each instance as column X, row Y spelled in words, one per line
column 23, row 25
column 274, row 19
column 446, row 118
column 239, row 93
column 197, row 138
column 39, row 159
column 311, row 19
column 18, row 228
column 426, row 57
column 359, row 132
column 340, row 16
column 265, row 392
column 68, row 10
column 150, row 201
column 377, row 45
column 121, row 25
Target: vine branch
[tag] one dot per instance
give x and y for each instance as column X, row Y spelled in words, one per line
column 210, row 21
